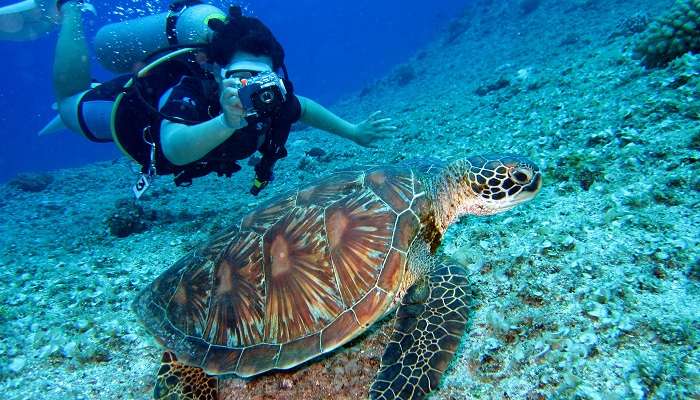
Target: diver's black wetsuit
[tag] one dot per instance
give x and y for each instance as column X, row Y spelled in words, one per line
column 196, row 101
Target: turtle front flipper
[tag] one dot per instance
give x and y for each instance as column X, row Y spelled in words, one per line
column 176, row 381
column 429, row 325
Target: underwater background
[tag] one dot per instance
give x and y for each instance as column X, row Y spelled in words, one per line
column 331, row 49
column 590, row 291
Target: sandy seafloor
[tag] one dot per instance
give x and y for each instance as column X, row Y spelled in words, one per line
column 591, row 291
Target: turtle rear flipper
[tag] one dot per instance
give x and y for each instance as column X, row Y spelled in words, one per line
column 176, row 381
column 429, row 325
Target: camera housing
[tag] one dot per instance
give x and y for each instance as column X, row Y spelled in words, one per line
column 262, row 95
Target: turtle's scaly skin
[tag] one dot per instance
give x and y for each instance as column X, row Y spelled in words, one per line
column 300, row 276
column 177, row 381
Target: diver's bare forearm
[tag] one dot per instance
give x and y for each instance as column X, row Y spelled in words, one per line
column 317, row 116
column 183, row 144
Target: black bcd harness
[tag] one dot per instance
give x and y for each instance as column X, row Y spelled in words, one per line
column 138, row 132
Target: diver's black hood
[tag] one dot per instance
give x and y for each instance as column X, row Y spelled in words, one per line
column 241, row 33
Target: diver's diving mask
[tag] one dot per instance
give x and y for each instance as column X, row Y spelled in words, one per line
column 238, row 73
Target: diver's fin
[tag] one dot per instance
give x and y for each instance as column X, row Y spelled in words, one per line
column 54, row 126
column 89, row 7
column 85, row 5
column 179, row 381
column 30, row 19
column 27, row 20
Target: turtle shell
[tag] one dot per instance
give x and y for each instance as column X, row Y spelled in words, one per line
column 301, row 275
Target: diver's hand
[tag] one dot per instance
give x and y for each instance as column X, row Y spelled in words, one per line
column 371, row 129
column 232, row 109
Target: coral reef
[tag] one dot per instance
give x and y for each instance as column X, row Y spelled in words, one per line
column 631, row 25
column 486, row 88
column 694, row 270
column 455, row 30
column 127, row 218
column 315, row 152
column 404, row 75
column 528, row 6
column 31, row 182
column 670, row 35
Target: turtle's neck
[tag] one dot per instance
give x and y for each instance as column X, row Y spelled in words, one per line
column 479, row 185
column 451, row 194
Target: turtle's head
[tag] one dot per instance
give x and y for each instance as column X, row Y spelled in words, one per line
column 486, row 185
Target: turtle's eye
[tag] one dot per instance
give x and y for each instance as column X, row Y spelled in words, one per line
column 520, row 175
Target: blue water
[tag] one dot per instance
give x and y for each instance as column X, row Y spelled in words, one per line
column 333, row 48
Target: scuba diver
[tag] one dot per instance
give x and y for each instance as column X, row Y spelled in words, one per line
column 207, row 96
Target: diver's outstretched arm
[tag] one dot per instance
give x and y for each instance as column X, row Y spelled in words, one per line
column 364, row 133
column 71, row 68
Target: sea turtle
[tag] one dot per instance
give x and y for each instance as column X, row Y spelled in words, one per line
column 307, row 271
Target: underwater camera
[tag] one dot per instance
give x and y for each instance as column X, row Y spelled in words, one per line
column 262, row 95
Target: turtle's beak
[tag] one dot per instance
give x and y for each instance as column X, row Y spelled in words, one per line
column 526, row 193
column 531, row 189
column 536, row 184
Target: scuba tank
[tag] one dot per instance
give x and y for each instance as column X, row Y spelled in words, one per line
column 121, row 47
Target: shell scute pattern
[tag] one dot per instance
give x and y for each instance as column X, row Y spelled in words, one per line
column 261, row 357
column 301, row 275
column 194, row 350
column 407, row 224
column 426, row 166
column 300, row 349
column 330, row 189
column 302, row 296
column 267, row 214
column 217, row 243
column 222, row 360
column 392, row 185
column 394, row 268
column 164, row 286
column 375, row 299
column 360, row 229
column 187, row 307
column 339, row 331
column 236, row 307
